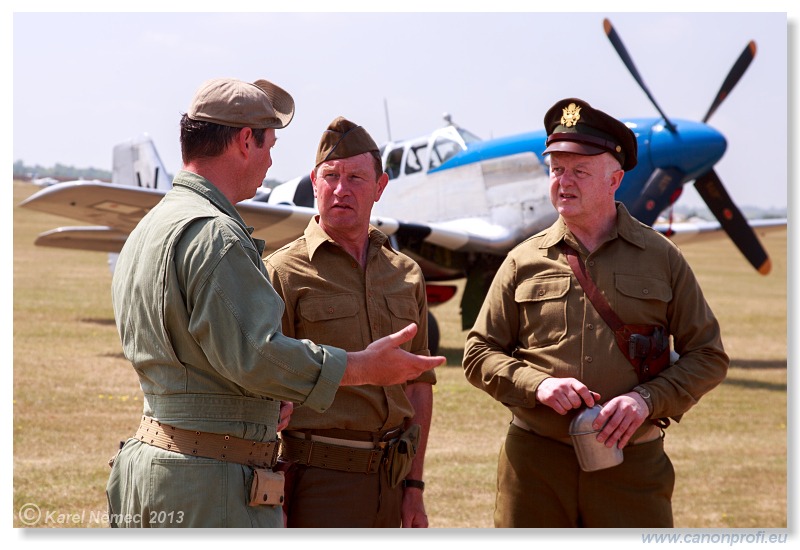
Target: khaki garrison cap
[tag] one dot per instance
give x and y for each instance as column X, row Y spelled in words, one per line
column 232, row 102
column 344, row 139
column 573, row 126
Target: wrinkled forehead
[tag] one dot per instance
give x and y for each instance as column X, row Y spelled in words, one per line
column 357, row 163
column 562, row 158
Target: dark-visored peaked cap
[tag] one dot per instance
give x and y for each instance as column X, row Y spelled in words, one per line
column 344, row 139
column 574, row 126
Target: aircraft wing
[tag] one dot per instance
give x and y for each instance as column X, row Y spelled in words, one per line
column 103, row 204
column 476, row 235
column 98, row 239
column 277, row 224
column 116, row 209
column 464, row 235
column 697, row 230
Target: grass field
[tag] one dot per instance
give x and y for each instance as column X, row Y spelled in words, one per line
column 76, row 397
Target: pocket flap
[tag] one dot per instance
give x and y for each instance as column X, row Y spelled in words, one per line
column 324, row 308
column 542, row 288
column 404, row 307
column 643, row 288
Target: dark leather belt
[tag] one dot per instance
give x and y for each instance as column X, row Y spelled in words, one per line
column 257, row 454
column 321, row 454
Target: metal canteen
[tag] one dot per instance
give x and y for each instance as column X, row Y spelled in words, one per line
column 592, row 455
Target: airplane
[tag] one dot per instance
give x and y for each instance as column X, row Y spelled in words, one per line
column 456, row 203
column 46, row 181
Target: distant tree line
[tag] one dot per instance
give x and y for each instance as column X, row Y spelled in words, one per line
column 59, row 172
column 62, row 172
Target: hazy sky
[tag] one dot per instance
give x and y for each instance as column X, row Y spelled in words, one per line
column 83, row 82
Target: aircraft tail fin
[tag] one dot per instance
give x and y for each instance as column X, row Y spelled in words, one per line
column 136, row 164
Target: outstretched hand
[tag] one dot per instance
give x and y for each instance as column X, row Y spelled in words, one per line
column 385, row 363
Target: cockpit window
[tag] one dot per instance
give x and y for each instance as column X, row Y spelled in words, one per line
column 467, row 136
column 443, row 149
column 414, row 158
column 393, row 162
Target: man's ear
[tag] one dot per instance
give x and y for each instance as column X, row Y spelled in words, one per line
column 383, row 181
column 314, row 182
column 243, row 140
column 616, row 180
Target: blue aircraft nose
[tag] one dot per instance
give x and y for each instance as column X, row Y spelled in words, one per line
column 693, row 150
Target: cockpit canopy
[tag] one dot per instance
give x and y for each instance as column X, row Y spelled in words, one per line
column 426, row 153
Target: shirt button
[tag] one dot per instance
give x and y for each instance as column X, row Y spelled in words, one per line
column 590, row 326
column 645, row 291
column 541, row 293
column 591, row 263
column 330, row 310
column 588, row 358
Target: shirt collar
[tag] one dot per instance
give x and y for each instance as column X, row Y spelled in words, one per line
column 315, row 237
column 626, row 227
column 204, row 187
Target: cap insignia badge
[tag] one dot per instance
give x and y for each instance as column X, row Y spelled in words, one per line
column 571, row 115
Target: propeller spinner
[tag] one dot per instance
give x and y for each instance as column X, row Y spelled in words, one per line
column 665, row 184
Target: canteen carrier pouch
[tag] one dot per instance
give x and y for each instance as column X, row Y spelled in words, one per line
column 266, row 488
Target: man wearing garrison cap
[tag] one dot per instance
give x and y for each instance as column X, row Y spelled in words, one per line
column 580, row 315
column 200, row 324
column 360, row 462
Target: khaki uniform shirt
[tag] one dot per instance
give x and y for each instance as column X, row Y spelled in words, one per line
column 330, row 299
column 200, row 322
column 536, row 322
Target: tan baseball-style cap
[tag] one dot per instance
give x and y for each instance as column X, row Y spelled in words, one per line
column 344, row 139
column 574, row 126
column 232, row 102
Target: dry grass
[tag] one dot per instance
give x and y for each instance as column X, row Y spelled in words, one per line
column 75, row 396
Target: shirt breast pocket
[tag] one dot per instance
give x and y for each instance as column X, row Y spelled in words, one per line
column 403, row 311
column 542, row 309
column 331, row 316
column 641, row 299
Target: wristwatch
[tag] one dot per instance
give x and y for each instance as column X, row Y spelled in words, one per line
column 645, row 393
column 418, row 484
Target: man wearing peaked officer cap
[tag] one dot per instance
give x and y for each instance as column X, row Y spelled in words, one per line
column 546, row 346
column 200, row 325
column 359, row 463
column 573, row 126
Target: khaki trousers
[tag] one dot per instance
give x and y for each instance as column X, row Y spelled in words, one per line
column 539, row 484
column 317, row 497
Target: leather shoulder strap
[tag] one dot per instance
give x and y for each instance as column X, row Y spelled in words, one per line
column 592, row 292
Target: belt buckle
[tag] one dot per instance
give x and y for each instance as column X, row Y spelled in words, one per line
column 273, row 460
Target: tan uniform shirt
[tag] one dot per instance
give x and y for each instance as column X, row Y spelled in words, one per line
column 536, row 322
column 329, row 298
